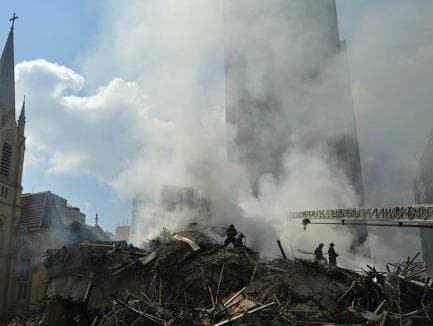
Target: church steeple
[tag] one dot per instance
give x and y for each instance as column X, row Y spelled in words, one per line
column 22, row 118
column 12, row 150
column 7, row 76
column 23, row 111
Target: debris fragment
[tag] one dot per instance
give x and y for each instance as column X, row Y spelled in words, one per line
column 193, row 245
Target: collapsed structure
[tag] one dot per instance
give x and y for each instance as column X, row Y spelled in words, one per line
column 188, row 279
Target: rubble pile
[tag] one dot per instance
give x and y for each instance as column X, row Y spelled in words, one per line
column 188, row 279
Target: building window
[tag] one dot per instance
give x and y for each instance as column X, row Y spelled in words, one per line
column 23, row 291
column 4, row 191
column 24, row 267
column 6, row 159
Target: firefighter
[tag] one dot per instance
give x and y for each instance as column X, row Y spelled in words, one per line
column 318, row 253
column 231, row 236
column 332, row 255
column 239, row 241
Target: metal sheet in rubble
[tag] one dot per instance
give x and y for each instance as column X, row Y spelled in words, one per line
column 148, row 258
column 193, row 245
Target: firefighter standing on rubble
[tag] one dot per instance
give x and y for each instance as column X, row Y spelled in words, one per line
column 318, row 253
column 332, row 255
column 231, row 236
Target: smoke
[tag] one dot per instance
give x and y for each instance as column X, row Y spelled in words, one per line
column 177, row 52
column 165, row 118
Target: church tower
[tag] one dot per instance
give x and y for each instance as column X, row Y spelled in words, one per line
column 12, row 147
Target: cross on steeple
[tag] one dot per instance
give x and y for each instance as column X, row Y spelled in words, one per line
column 13, row 19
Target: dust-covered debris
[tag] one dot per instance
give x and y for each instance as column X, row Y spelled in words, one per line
column 188, row 279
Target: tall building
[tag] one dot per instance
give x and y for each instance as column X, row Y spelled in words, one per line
column 29, row 223
column 287, row 85
column 423, row 191
column 288, row 89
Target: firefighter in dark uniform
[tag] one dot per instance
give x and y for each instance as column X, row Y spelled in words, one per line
column 318, row 253
column 332, row 255
column 231, row 236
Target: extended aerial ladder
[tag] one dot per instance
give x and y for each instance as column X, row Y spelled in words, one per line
column 419, row 216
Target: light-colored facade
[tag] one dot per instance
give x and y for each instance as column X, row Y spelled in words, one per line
column 123, row 233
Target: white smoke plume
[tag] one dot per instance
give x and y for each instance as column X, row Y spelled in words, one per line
column 180, row 48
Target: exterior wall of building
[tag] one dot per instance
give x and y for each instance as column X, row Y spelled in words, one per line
column 10, row 206
column 138, row 204
column 29, row 280
column 41, row 228
column 276, row 54
column 349, row 157
column 6, row 253
column 69, row 214
column 122, row 233
column 423, row 192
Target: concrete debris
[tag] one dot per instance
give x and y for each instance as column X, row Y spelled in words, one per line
column 188, row 279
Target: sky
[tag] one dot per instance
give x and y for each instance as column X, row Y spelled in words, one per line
column 92, row 59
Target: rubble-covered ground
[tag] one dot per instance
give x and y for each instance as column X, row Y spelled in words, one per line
column 188, row 279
